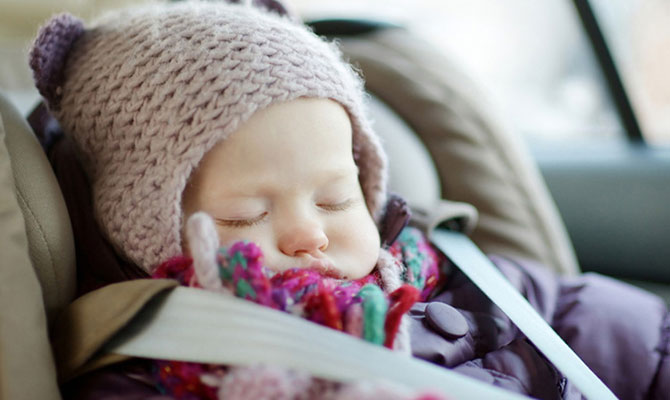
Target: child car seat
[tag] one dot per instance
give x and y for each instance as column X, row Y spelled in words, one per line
column 462, row 154
column 37, row 267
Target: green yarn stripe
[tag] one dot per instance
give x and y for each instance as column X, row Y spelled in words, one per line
column 374, row 313
column 243, row 289
column 412, row 258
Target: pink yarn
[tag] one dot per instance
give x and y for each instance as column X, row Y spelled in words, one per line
column 306, row 293
column 263, row 383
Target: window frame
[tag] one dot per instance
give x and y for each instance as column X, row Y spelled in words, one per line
column 610, row 71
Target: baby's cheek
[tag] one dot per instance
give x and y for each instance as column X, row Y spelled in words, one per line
column 370, row 245
column 228, row 236
column 357, row 241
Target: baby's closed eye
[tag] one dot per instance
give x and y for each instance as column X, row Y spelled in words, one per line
column 241, row 222
column 338, row 205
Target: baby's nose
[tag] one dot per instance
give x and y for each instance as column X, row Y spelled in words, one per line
column 303, row 238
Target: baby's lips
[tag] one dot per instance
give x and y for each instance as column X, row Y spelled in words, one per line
column 325, row 268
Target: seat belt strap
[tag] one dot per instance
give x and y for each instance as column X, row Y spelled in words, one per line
column 481, row 271
column 189, row 324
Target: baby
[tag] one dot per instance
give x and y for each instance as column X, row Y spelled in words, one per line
column 242, row 113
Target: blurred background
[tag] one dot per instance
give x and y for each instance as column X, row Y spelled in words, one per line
column 532, row 58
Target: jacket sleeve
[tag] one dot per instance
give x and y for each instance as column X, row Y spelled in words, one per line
column 620, row 331
column 520, row 368
column 131, row 380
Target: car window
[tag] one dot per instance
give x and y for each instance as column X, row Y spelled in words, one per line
column 532, row 58
column 638, row 34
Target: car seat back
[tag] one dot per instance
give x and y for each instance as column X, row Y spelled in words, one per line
column 474, row 158
column 37, row 261
column 47, row 224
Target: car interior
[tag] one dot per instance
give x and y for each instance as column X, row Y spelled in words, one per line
column 574, row 208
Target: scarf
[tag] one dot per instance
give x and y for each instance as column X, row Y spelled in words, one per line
column 369, row 308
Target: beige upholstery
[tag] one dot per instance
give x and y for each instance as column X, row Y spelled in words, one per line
column 26, row 364
column 478, row 162
column 412, row 173
column 46, row 217
column 92, row 319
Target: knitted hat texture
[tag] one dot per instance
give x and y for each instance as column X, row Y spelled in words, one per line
column 147, row 91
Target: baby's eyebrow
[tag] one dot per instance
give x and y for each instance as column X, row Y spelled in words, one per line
column 341, row 173
column 244, row 203
column 264, row 185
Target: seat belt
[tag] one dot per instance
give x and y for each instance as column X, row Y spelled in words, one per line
column 189, row 324
column 481, row 271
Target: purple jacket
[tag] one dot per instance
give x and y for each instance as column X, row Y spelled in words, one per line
column 621, row 332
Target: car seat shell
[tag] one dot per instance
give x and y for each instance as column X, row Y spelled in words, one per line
column 47, row 222
column 26, row 364
column 476, row 161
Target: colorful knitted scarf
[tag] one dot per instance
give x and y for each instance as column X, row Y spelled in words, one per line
column 358, row 307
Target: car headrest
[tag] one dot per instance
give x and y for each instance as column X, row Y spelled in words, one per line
column 412, row 173
column 47, row 224
column 477, row 160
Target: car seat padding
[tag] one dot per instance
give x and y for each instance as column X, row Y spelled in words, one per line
column 84, row 327
column 26, row 364
column 478, row 161
column 47, row 223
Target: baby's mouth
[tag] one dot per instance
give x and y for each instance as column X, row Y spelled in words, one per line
column 326, row 269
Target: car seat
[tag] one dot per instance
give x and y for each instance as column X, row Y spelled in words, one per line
column 442, row 142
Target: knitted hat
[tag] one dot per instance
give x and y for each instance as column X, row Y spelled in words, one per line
column 147, row 91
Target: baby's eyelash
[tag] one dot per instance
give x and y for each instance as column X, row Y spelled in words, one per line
column 241, row 223
column 337, row 207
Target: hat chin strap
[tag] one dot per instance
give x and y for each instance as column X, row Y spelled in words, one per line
column 203, row 243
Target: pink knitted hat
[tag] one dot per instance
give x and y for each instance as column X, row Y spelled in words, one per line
column 146, row 92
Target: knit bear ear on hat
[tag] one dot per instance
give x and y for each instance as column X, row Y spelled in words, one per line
column 49, row 54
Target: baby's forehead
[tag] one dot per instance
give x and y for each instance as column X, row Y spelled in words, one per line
column 305, row 130
column 303, row 145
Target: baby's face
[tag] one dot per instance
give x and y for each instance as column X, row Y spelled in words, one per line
column 287, row 181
